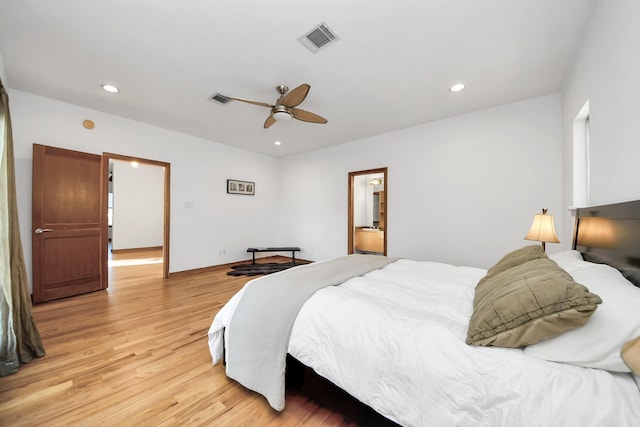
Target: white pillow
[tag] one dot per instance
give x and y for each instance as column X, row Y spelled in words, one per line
column 597, row 344
column 567, row 258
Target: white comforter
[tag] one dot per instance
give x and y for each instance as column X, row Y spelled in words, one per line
column 395, row 340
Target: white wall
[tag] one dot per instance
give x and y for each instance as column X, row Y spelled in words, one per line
column 205, row 221
column 461, row 190
column 606, row 72
column 3, row 73
column 138, row 208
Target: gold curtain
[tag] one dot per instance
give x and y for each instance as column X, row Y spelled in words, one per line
column 28, row 343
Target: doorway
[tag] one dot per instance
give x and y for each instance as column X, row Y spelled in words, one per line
column 368, row 212
column 110, row 158
column 69, row 215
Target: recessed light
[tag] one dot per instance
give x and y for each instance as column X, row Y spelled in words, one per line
column 456, row 87
column 277, row 143
column 110, row 88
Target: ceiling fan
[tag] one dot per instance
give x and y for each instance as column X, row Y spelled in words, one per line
column 285, row 106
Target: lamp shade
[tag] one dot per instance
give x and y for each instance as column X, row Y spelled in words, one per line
column 542, row 229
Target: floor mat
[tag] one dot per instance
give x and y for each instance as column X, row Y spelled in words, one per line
column 257, row 269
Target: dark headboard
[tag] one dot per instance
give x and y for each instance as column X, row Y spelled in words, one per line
column 610, row 234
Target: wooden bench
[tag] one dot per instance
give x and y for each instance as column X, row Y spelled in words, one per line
column 292, row 249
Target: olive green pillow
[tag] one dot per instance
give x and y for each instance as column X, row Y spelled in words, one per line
column 516, row 258
column 630, row 353
column 527, row 302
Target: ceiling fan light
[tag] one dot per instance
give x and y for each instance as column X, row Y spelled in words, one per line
column 281, row 115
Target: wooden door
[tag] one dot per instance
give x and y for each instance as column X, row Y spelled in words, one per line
column 68, row 224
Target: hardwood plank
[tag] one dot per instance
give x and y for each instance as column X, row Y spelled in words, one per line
column 137, row 354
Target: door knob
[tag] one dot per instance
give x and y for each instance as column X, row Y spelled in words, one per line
column 42, row 230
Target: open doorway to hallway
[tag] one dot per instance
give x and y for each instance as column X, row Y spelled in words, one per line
column 138, row 206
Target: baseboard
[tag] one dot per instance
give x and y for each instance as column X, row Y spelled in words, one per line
column 124, row 251
column 202, row 270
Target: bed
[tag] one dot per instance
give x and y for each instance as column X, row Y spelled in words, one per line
column 409, row 340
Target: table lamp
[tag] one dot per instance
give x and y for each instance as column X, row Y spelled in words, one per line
column 542, row 229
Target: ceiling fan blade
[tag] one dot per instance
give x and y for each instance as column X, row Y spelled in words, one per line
column 248, row 101
column 306, row 116
column 296, row 96
column 270, row 120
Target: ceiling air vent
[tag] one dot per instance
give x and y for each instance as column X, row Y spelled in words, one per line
column 319, row 37
column 218, row 97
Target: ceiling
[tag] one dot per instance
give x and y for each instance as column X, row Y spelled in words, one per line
column 391, row 67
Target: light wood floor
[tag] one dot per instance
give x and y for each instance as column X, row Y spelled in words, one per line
column 137, row 354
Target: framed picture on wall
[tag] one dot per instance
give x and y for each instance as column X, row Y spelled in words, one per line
column 241, row 187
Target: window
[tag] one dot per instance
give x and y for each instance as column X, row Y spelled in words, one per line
column 110, row 210
column 581, row 160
